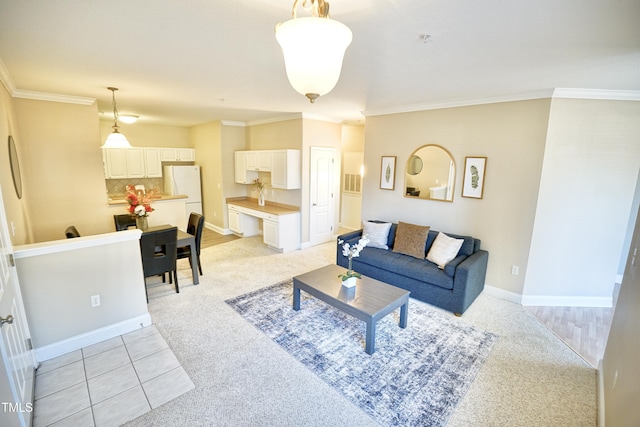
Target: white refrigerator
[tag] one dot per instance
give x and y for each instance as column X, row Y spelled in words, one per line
column 184, row 180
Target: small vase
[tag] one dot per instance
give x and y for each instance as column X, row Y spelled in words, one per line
column 260, row 199
column 141, row 223
column 350, row 282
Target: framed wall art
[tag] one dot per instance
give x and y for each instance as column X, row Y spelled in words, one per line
column 473, row 181
column 388, row 173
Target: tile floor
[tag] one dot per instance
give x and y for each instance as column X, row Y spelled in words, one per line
column 110, row 382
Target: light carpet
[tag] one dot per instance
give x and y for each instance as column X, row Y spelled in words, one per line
column 416, row 376
column 243, row 378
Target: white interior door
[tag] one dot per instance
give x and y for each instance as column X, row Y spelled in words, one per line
column 16, row 360
column 321, row 195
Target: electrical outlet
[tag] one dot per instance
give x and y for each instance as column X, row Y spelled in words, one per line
column 515, row 270
column 615, row 380
column 95, row 300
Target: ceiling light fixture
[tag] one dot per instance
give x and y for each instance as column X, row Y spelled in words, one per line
column 128, row 118
column 313, row 49
column 115, row 139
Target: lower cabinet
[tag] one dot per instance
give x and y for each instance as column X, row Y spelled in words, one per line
column 281, row 232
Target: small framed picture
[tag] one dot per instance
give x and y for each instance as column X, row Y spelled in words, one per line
column 473, row 182
column 388, row 173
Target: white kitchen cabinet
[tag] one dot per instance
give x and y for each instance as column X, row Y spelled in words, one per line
column 285, row 169
column 152, row 163
column 259, row 161
column 185, row 154
column 178, row 154
column 115, row 163
column 284, row 166
column 241, row 223
column 242, row 174
column 281, row 232
column 132, row 163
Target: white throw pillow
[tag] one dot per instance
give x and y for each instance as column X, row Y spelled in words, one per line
column 444, row 249
column 378, row 233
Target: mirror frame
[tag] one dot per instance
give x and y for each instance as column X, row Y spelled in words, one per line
column 406, row 173
column 15, row 167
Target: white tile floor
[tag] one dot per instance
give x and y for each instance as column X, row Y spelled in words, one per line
column 108, row 383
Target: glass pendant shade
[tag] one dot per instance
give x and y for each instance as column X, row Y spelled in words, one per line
column 116, row 140
column 313, row 50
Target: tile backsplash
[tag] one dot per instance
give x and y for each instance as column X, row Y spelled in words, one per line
column 118, row 187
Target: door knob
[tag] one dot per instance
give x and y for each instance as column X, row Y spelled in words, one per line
column 8, row 319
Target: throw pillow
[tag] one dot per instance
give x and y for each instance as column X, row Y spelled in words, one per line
column 411, row 239
column 378, row 233
column 444, row 249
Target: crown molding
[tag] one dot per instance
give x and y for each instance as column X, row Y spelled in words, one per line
column 6, row 78
column 615, row 95
column 233, row 123
column 43, row 96
column 460, row 103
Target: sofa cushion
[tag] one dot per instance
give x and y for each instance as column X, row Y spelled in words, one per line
column 405, row 265
column 411, row 239
column 378, row 233
column 468, row 246
column 444, row 249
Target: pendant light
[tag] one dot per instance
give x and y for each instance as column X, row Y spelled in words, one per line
column 313, row 49
column 115, row 139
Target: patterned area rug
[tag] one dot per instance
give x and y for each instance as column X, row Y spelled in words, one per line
column 416, row 376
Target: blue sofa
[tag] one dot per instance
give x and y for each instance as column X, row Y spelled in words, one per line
column 453, row 288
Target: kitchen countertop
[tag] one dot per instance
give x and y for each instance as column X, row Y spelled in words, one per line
column 121, row 200
column 273, row 208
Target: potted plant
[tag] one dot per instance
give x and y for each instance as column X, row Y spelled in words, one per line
column 351, row 251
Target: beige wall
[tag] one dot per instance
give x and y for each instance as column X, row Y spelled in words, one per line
column 511, row 135
column 317, row 133
column 215, row 144
column 62, row 168
column 16, row 209
column 140, row 134
column 206, row 140
column 286, row 134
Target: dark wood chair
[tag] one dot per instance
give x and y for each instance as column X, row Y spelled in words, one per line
column 71, row 232
column 194, row 227
column 159, row 254
column 123, row 222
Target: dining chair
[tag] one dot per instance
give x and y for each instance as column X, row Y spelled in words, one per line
column 71, row 232
column 123, row 222
column 158, row 250
column 194, row 227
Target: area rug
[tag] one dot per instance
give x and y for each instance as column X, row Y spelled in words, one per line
column 416, row 376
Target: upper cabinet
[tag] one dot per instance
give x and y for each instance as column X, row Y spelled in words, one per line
column 145, row 162
column 285, row 172
column 284, row 166
column 259, row 160
column 178, row 154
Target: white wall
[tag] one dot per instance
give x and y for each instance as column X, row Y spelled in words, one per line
column 587, row 187
column 58, row 279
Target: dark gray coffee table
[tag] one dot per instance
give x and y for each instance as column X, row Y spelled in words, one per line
column 370, row 300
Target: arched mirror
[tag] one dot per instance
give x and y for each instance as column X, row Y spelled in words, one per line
column 430, row 174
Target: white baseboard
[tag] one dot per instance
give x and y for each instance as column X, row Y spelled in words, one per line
column 223, row 231
column 566, row 301
column 601, row 408
column 502, row 294
column 92, row 337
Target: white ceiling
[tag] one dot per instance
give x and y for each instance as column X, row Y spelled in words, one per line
column 193, row 61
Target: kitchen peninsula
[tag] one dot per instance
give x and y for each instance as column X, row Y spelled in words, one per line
column 167, row 209
column 280, row 222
